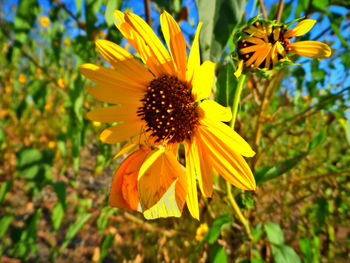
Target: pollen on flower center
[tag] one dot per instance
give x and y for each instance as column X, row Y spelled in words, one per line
column 169, row 110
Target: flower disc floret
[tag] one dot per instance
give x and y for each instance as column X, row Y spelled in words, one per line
column 169, row 109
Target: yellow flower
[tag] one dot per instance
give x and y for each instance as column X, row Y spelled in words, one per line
column 47, row 106
column 159, row 108
column 22, row 78
column 264, row 44
column 201, row 230
column 4, row 113
column 61, row 83
column 44, row 21
column 96, row 123
column 51, row 144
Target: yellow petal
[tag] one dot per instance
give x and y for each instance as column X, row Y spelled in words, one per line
column 114, row 113
column 311, row 49
column 263, row 53
column 146, row 43
column 194, row 57
column 133, row 144
column 116, row 94
column 203, row 80
column 239, row 70
column 226, row 160
column 124, row 62
column 192, row 170
column 228, row 136
column 300, row 29
column 206, row 176
column 123, row 192
column 159, row 171
column 254, row 40
column 110, row 77
column 121, row 132
column 214, row 110
column 176, row 43
column 276, row 33
column 258, row 53
column 256, row 32
column 171, row 204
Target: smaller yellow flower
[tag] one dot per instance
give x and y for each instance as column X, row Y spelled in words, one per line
column 44, row 21
column 22, row 79
column 263, row 44
column 67, row 43
column 127, row 47
column 96, row 123
column 201, row 230
column 61, row 83
column 4, row 113
column 51, row 144
column 47, row 106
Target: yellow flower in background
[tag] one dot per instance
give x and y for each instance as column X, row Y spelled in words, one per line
column 44, row 21
column 157, row 109
column 22, row 78
column 51, row 144
column 201, row 231
column 47, row 106
column 4, row 113
column 61, row 83
column 96, row 123
column 263, row 44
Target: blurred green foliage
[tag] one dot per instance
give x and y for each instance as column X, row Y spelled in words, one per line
column 55, row 173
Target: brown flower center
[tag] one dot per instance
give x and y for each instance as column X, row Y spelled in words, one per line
column 169, row 109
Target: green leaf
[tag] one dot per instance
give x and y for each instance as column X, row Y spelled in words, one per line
column 110, row 7
column 5, row 222
column 57, row 216
column 284, row 254
column 267, row 173
column 226, row 84
column 274, row 233
column 317, row 140
column 60, row 189
column 215, row 229
column 27, row 11
column 218, row 254
column 74, row 228
column 346, row 126
column 219, row 19
column 103, row 219
column 106, row 244
column 5, row 187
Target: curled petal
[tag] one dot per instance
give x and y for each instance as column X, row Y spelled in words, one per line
column 300, row 29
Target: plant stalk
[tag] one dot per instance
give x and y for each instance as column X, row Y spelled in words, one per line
column 230, row 197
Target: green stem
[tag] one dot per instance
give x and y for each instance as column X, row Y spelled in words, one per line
column 236, row 99
column 230, row 197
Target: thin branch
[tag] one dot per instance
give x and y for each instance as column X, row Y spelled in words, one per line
column 80, row 24
column 148, row 12
column 280, row 10
column 263, row 8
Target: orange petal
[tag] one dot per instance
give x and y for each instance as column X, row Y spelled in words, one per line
column 176, row 43
column 123, row 192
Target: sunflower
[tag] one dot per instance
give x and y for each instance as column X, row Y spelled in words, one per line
column 264, row 44
column 157, row 108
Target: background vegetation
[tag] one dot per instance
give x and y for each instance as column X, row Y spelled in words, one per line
column 55, row 173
